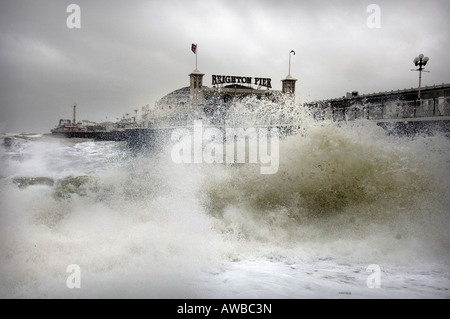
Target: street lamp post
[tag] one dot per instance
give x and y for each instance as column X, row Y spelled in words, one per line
column 292, row 51
column 420, row 61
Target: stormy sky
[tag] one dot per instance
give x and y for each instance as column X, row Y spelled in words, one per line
column 130, row 53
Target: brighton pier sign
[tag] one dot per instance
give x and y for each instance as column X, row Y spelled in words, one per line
column 227, row 79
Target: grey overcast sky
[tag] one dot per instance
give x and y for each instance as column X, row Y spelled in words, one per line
column 130, row 53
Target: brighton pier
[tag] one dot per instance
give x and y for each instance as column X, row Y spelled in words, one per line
column 399, row 111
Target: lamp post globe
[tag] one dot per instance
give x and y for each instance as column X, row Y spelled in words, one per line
column 420, row 61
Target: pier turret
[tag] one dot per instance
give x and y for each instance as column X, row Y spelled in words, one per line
column 288, row 83
column 196, row 85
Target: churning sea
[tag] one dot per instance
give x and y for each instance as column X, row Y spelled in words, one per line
column 352, row 212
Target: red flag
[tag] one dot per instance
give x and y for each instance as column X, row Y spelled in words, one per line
column 194, row 48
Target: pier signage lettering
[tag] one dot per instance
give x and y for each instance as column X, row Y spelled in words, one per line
column 227, row 79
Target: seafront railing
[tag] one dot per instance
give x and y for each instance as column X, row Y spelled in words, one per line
column 390, row 110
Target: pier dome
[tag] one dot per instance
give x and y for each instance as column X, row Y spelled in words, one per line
column 176, row 98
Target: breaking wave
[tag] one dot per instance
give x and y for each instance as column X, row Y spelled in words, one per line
column 343, row 182
column 139, row 225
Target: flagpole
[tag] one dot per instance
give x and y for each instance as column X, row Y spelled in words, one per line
column 292, row 51
column 194, row 50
